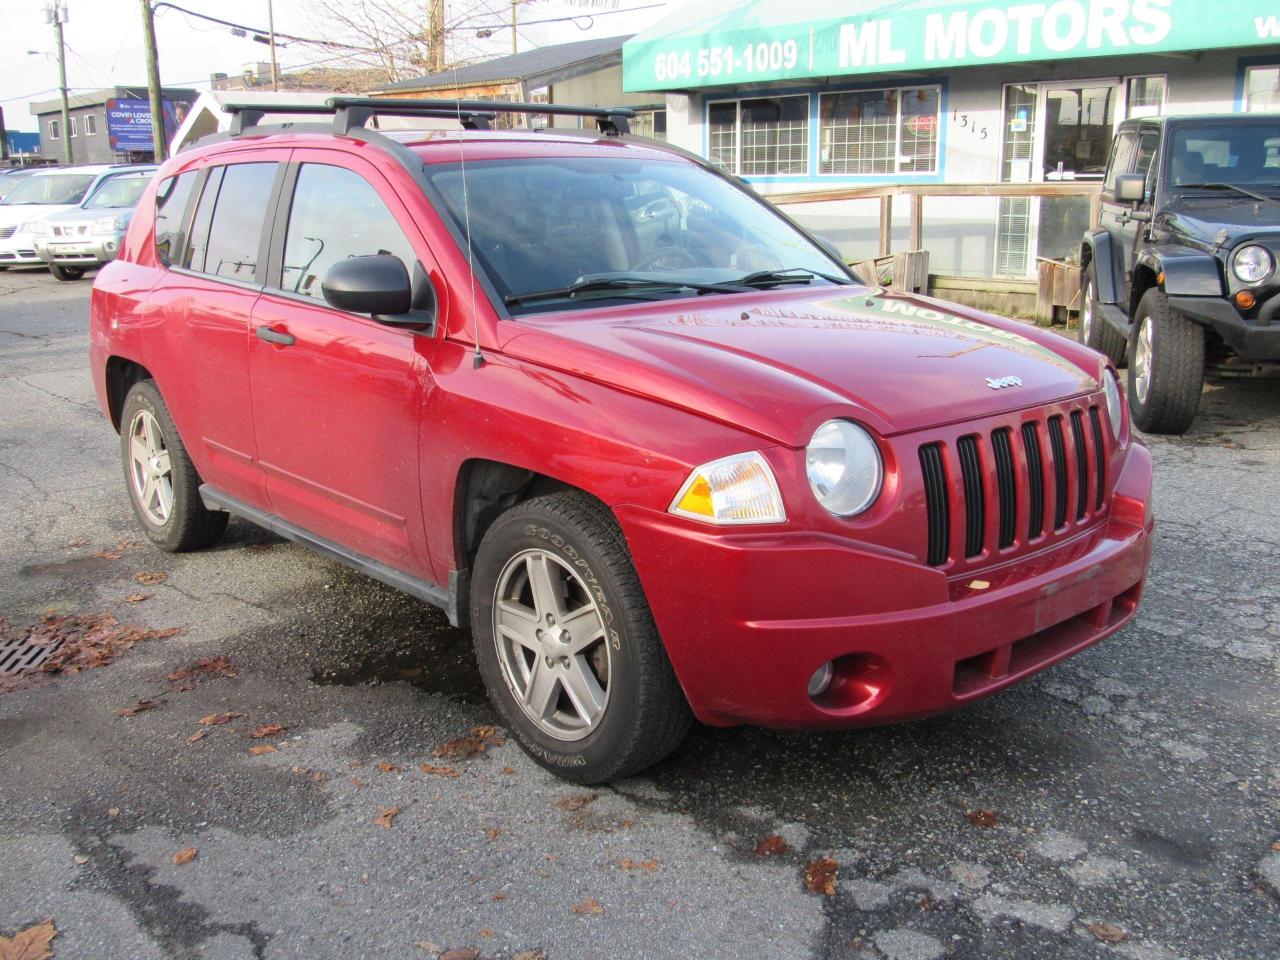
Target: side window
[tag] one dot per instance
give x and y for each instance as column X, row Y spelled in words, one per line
column 200, row 223
column 1121, row 156
column 172, row 198
column 1148, row 144
column 336, row 214
column 239, row 211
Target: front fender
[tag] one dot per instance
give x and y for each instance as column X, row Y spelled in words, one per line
column 1187, row 271
column 1097, row 244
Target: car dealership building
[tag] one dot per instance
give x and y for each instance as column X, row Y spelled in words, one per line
column 830, row 95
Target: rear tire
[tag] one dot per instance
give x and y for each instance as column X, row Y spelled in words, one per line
column 567, row 547
column 1166, row 367
column 163, row 485
column 65, row 273
column 1094, row 331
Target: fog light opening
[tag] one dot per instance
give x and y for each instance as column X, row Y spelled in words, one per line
column 1245, row 299
column 820, row 680
column 855, row 682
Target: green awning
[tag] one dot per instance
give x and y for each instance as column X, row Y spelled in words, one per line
column 707, row 44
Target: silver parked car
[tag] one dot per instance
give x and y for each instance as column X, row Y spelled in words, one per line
column 89, row 235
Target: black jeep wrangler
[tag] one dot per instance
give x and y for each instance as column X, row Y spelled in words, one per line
column 1182, row 268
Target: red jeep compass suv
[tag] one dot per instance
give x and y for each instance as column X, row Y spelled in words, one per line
column 646, row 435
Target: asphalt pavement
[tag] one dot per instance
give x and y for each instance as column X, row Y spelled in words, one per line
column 1124, row 804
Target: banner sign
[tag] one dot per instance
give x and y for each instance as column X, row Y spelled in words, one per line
column 129, row 124
column 767, row 41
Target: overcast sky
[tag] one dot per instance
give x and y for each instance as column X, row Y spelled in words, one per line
column 104, row 40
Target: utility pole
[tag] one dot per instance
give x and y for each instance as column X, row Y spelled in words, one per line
column 515, row 37
column 271, row 30
column 159, row 140
column 56, row 14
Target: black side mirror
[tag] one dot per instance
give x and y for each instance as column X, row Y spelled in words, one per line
column 1131, row 188
column 379, row 285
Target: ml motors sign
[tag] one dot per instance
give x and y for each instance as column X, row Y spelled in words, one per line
column 767, row 40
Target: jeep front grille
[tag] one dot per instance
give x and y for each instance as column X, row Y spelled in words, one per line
column 991, row 476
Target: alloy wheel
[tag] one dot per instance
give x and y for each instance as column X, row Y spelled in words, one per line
column 149, row 468
column 550, row 639
column 1086, row 314
column 1142, row 357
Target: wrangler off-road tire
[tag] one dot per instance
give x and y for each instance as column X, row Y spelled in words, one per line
column 1166, row 366
column 572, row 542
column 1094, row 331
column 186, row 524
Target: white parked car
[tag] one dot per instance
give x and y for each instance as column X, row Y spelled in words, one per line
column 38, row 196
column 90, row 235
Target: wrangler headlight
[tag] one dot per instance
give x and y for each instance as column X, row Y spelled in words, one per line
column 844, row 467
column 733, row 490
column 1115, row 402
column 1252, row 263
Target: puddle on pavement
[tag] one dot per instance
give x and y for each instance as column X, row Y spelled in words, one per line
column 64, row 568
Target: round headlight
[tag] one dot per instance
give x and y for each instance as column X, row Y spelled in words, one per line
column 1252, row 264
column 1115, row 402
column 844, row 468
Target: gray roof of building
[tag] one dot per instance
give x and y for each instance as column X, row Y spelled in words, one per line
column 526, row 65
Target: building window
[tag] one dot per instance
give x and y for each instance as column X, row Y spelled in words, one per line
column 55, row 129
column 1262, row 89
column 650, row 123
column 72, row 126
column 868, row 132
column 90, row 125
column 763, row 137
column 1144, row 97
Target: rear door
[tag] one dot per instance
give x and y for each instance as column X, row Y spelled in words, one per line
column 337, row 397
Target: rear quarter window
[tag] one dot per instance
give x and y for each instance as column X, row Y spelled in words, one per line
column 172, row 198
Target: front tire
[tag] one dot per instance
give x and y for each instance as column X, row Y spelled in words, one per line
column 1166, row 367
column 1094, row 331
column 65, row 273
column 163, row 485
column 567, row 645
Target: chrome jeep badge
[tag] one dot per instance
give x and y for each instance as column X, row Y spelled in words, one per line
column 999, row 383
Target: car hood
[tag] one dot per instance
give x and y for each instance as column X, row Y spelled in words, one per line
column 780, row 363
column 81, row 216
column 21, row 213
column 1217, row 224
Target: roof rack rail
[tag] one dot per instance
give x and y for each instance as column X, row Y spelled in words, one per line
column 351, row 112
column 245, row 115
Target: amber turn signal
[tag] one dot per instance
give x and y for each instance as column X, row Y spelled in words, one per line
column 1245, row 299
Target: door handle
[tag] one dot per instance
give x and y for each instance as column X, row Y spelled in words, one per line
column 276, row 336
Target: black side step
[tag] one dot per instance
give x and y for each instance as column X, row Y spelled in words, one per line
column 451, row 600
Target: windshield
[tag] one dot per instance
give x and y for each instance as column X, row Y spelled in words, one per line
column 117, row 192
column 10, row 181
column 52, row 188
column 1243, row 154
column 542, row 224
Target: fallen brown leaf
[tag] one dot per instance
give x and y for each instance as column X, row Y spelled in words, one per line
column 29, row 944
column 116, row 552
column 359, row 784
column 151, row 577
column 320, row 777
column 576, row 801
column 626, row 863
column 80, row 859
column 820, row 876
column 588, row 906
column 113, row 812
column 529, row 955
column 1107, row 932
column 475, row 743
column 385, row 817
column 217, row 719
column 460, row 953
column 185, row 856
column 389, row 768
column 197, row 736
column 982, row 818
column 78, row 642
column 508, row 770
column 772, row 846
column 493, row 833
column 137, row 597
column 262, row 748
column 140, row 707
column 214, row 665
column 486, row 933
column 500, row 895
column 267, row 730
column 1276, row 846
column 437, row 771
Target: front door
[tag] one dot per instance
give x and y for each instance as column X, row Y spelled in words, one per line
column 337, row 397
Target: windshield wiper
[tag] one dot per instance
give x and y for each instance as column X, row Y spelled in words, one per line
column 765, row 278
column 1226, row 186
column 625, row 282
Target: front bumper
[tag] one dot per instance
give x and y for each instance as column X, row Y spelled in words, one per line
column 1250, row 338
column 748, row 617
column 19, row 249
column 85, row 251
